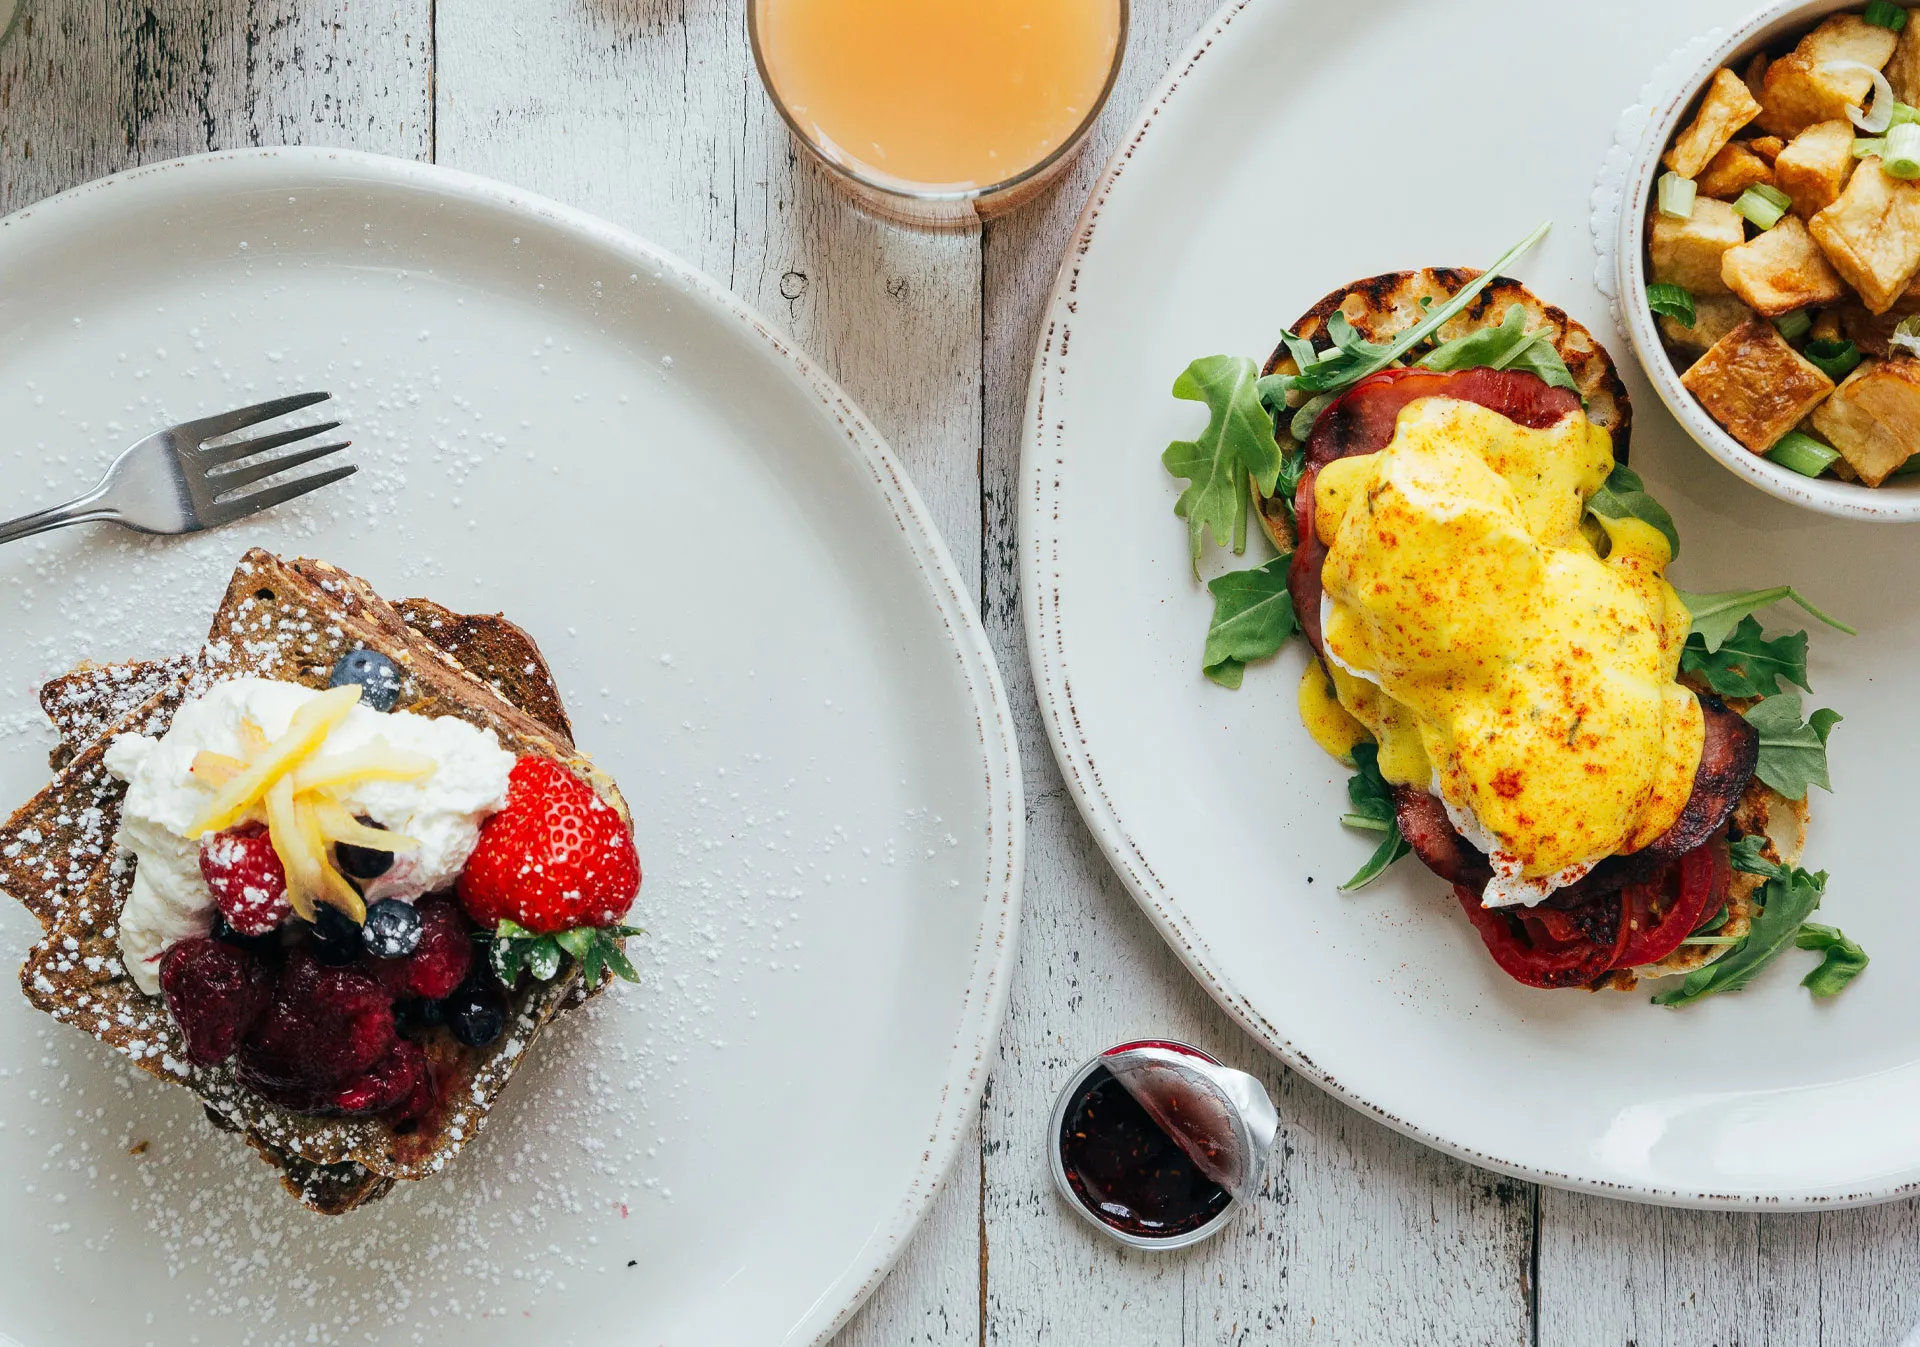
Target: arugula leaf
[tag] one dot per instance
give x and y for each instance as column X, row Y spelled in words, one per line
column 1716, row 615
column 1843, row 960
column 1237, row 443
column 1326, row 374
column 1747, row 664
column 1293, row 466
column 1788, row 900
column 1793, row 753
column 1749, row 854
column 1508, row 346
column 1372, row 801
column 1252, row 619
column 1624, row 496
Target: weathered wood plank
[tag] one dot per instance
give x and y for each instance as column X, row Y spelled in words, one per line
column 88, row 89
column 1613, row 1273
column 1358, row 1235
column 650, row 114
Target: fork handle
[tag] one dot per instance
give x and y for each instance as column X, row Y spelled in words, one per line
column 89, row 509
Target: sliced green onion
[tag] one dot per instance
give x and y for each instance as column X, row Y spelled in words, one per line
column 1795, row 325
column 1835, row 359
column 1677, row 195
column 1886, row 14
column 1902, row 114
column 1672, row 301
column 1902, row 156
column 1763, row 205
column 1803, row 454
column 1869, row 147
column 1906, row 337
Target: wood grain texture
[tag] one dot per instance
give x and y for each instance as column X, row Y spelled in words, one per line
column 648, row 112
column 89, row 88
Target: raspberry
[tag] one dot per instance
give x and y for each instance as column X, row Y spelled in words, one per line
column 325, row 1027
column 441, row 960
column 556, row 857
column 400, row 1078
column 216, row 992
column 247, row 879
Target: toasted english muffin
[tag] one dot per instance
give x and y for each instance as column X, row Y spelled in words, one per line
column 1382, row 307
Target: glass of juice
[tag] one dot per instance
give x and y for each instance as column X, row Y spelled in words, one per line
column 939, row 112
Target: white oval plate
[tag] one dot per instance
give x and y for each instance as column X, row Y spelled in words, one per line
column 756, row 630
column 1302, row 146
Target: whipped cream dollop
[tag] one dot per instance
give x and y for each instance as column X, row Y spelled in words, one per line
column 171, row 902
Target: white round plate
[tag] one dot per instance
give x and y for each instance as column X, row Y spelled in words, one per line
column 1302, row 146
column 757, row 632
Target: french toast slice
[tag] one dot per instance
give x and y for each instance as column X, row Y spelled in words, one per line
column 289, row 621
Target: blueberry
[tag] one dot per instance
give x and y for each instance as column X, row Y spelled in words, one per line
column 378, row 677
column 477, row 1012
column 392, row 930
column 253, row 944
column 363, row 862
column 336, row 936
column 413, row 1013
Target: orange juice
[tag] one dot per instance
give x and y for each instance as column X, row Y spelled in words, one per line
column 938, row 94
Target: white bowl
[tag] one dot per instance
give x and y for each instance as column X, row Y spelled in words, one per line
column 1898, row 502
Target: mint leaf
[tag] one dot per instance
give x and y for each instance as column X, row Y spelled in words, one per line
column 1747, row 664
column 1508, row 346
column 1237, row 444
column 1372, row 800
column 1624, row 496
column 1843, row 960
column 1788, row 900
column 1793, row 753
column 1715, row 616
column 1252, row 619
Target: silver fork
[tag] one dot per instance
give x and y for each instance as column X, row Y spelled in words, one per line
column 174, row 482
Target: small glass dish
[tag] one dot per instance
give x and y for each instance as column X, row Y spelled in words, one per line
column 932, row 206
column 1183, row 1101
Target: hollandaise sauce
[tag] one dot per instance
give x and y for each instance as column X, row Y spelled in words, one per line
column 1502, row 657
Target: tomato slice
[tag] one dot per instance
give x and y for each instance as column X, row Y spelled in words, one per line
column 1544, row 947
column 1660, row 914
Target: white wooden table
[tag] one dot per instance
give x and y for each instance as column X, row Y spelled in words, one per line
column 648, row 112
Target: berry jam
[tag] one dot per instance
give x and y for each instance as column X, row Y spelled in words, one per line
column 1127, row 1171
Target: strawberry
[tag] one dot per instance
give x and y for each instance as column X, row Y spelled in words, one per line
column 247, row 879
column 555, row 858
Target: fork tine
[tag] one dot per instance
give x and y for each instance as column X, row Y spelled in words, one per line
column 227, row 511
column 213, row 427
column 218, row 454
column 248, row 473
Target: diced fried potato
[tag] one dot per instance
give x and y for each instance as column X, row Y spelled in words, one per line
column 1903, row 71
column 1687, row 252
column 1732, row 171
column 1755, row 75
column 1767, row 147
column 1826, row 326
column 1872, row 235
column 1870, row 332
column 1815, row 166
column 1873, row 418
column 1781, row 271
column 1713, row 317
column 1797, row 90
column 1728, row 106
column 1756, row 385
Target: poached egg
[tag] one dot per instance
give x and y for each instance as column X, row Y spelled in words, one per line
column 1516, row 664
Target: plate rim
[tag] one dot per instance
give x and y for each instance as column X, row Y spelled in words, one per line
column 983, row 1006
column 1040, row 503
